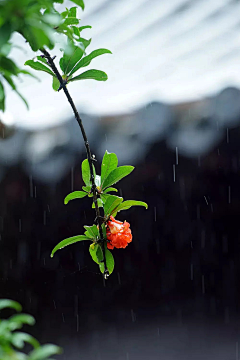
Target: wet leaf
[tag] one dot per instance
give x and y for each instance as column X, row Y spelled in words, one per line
column 117, row 175
column 79, row 3
column 20, row 338
column 87, row 59
column 5, row 303
column 127, row 205
column 109, row 163
column 55, row 83
column 44, row 352
column 69, row 241
column 36, row 65
column 111, row 204
column 91, row 232
column 74, row 195
column 91, row 74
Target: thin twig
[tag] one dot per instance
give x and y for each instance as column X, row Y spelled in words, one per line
column 89, row 156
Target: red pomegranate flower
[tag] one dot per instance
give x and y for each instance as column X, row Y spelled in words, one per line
column 118, row 233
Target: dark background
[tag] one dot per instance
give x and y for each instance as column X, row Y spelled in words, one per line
column 175, row 290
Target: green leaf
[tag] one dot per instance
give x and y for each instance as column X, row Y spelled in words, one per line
column 23, row 99
column 68, row 61
column 8, row 65
column 85, row 42
column 36, row 65
column 17, row 321
column 109, row 163
column 44, row 352
column 13, row 86
column 93, row 248
column 91, row 74
column 87, row 188
column 74, row 195
column 111, row 204
column 55, row 83
column 5, row 303
column 72, row 12
column 5, row 30
column 127, row 205
column 20, row 338
column 43, row 60
column 86, row 175
column 117, row 175
column 100, row 204
column 92, row 232
column 87, row 59
column 79, row 3
column 76, row 31
column 71, row 21
column 2, row 97
column 84, row 27
column 110, row 189
column 69, row 241
column 109, row 262
column 2, row 93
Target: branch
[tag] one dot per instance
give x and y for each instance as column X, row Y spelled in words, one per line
column 90, row 158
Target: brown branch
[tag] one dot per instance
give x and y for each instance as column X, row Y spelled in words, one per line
column 89, row 156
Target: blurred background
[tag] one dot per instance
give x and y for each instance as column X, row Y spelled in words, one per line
column 171, row 107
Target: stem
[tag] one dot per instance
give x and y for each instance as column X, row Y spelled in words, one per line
column 89, row 156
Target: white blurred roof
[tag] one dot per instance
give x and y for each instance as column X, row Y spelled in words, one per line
column 170, row 51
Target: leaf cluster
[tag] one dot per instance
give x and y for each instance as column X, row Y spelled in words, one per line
column 12, row 341
column 111, row 173
column 39, row 22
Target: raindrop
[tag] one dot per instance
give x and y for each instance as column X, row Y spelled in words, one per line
column 63, row 318
column 191, row 271
column 35, row 192
column 77, row 323
column 76, row 305
column 174, row 173
column 127, row 355
column 54, row 304
column 48, row 208
column 79, row 268
column 31, row 185
column 1, row 223
column 237, row 350
column 120, row 192
column 20, row 225
column 229, row 194
column 206, row 200
column 158, row 332
column 218, row 152
column 176, row 156
column 227, row 136
column 119, row 279
column 211, row 205
column 155, row 213
column 11, row 264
